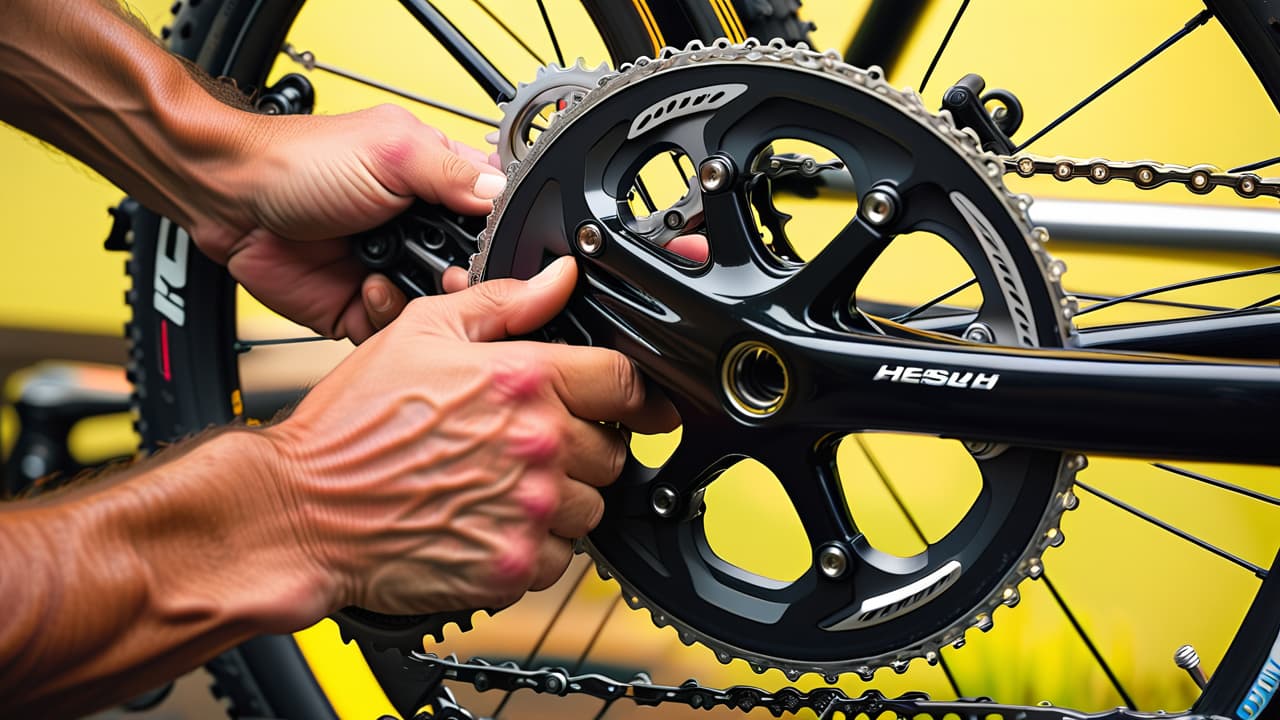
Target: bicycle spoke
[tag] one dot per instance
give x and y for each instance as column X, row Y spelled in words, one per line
column 1200, row 19
column 904, row 317
column 1223, row 484
column 1262, row 303
column 307, row 59
column 1260, row 573
column 1093, row 649
column 1143, row 301
column 494, row 84
column 546, row 631
column 244, row 346
column 551, row 31
column 915, row 526
column 1255, row 165
column 595, row 634
column 945, row 40
column 511, row 33
column 1180, row 286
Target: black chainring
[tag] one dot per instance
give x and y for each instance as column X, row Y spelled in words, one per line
column 678, row 320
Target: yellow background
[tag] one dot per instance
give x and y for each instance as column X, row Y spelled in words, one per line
column 1197, row 103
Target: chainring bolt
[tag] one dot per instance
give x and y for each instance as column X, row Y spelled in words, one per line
column 664, row 501
column 673, row 220
column 715, row 174
column 980, row 333
column 833, row 561
column 879, row 206
column 590, row 239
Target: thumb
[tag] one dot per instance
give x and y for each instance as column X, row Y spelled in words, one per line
column 497, row 309
column 438, row 172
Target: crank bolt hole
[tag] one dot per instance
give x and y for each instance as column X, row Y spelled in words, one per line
column 664, row 501
column 590, row 239
column 833, row 561
column 755, row 379
column 879, row 207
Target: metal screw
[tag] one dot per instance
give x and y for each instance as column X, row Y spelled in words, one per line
column 590, row 239
column 715, row 174
column 673, row 220
column 376, row 246
column 980, row 333
column 1188, row 659
column 833, row 561
column 879, row 206
column 664, row 501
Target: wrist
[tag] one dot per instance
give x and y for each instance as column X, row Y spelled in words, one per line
column 215, row 530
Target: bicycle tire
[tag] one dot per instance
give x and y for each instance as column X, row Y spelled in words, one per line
column 268, row 677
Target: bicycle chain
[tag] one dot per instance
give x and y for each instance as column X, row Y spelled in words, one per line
column 1145, row 174
column 825, row 702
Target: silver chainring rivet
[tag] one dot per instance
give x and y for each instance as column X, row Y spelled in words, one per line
column 833, row 561
column 590, row 239
column 879, row 206
column 715, row 174
column 664, row 501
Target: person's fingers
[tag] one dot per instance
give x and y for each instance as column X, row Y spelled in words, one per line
column 579, row 511
column 498, row 309
column 594, row 453
column 430, row 168
column 554, row 556
column 454, row 279
column 693, row 247
column 599, row 384
column 383, row 301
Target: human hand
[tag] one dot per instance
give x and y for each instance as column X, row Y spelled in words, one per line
column 433, row 470
column 313, row 180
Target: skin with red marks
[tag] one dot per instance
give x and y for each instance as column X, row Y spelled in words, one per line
column 432, row 470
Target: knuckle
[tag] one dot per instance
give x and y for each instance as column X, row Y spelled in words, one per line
column 539, row 501
column 514, row 567
column 517, row 377
column 454, row 170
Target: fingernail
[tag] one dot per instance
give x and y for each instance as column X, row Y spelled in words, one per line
column 379, row 298
column 489, row 185
column 550, row 274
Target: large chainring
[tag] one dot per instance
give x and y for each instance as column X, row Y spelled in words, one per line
column 684, row 323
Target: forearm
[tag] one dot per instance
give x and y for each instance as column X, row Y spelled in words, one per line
column 116, row 587
column 81, row 76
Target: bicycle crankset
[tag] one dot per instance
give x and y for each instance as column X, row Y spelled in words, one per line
column 763, row 353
